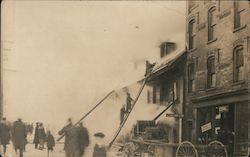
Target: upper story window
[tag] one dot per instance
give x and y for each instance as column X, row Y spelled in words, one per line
column 238, row 14
column 211, row 24
column 238, row 63
column 191, row 77
column 167, row 47
column 211, row 77
column 191, row 34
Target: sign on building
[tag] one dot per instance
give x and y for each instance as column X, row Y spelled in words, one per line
column 206, row 127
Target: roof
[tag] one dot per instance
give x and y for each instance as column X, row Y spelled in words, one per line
column 167, row 63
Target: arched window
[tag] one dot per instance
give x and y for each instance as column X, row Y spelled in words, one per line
column 191, row 34
column 238, row 63
column 211, row 77
column 211, row 24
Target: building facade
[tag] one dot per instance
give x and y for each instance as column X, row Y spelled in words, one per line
column 217, row 72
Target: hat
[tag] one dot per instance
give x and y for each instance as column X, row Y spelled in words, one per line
column 99, row 134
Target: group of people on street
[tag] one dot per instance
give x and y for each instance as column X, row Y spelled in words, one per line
column 16, row 132
column 77, row 139
column 40, row 137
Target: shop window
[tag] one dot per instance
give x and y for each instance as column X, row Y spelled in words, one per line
column 211, row 24
column 204, row 125
column 191, row 77
column 238, row 63
column 191, row 34
column 211, row 77
column 238, row 14
column 241, row 129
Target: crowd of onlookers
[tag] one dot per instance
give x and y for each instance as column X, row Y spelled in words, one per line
column 17, row 133
column 76, row 138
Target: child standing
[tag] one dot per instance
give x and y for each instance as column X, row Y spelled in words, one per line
column 100, row 148
column 50, row 142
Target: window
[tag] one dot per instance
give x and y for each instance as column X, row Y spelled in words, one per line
column 167, row 47
column 238, row 13
column 238, row 63
column 211, row 24
column 191, row 77
column 191, row 34
column 211, row 77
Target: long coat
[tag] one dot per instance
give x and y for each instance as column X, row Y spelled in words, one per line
column 84, row 139
column 19, row 135
column 41, row 133
column 36, row 139
column 63, row 131
column 4, row 134
column 50, row 141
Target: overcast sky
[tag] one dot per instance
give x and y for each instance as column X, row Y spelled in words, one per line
column 60, row 57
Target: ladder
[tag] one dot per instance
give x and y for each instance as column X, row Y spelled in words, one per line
column 127, row 115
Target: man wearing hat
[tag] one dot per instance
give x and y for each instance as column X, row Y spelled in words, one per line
column 4, row 134
column 19, row 136
column 36, row 139
column 84, row 138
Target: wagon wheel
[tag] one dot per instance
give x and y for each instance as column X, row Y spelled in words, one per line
column 216, row 149
column 186, row 149
column 128, row 149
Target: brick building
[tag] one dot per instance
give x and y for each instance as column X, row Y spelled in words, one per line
column 217, row 93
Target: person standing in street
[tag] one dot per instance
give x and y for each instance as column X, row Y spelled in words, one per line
column 64, row 130
column 4, row 134
column 19, row 135
column 84, row 139
column 50, row 142
column 41, row 136
column 36, row 139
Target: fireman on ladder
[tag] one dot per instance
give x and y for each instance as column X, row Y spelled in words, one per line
column 129, row 102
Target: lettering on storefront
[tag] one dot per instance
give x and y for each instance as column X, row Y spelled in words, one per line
column 206, row 127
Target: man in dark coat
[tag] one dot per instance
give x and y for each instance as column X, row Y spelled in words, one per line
column 63, row 131
column 84, row 139
column 4, row 134
column 122, row 114
column 73, row 145
column 129, row 101
column 19, row 136
column 36, row 139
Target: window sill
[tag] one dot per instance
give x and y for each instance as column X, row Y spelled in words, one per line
column 210, row 89
column 211, row 41
column 239, row 28
column 238, row 83
column 192, row 50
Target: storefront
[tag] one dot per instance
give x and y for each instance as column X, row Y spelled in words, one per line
column 227, row 123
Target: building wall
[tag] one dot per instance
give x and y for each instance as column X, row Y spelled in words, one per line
column 226, row 39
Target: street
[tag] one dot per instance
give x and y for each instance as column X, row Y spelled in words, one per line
column 58, row 151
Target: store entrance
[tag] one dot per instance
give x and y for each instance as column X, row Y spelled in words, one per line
column 216, row 123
